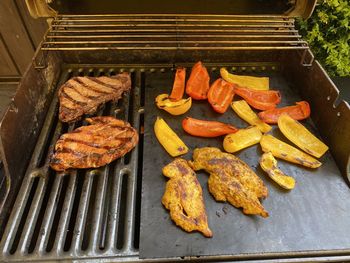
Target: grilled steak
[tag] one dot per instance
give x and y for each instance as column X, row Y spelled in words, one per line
column 81, row 95
column 95, row 145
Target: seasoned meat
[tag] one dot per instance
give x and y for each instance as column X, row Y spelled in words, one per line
column 231, row 180
column 183, row 197
column 83, row 95
column 95, row 145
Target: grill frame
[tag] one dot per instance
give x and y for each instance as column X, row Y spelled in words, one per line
column 43, row 77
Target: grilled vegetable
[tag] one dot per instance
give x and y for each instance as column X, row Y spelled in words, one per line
column 220, row 95
column 242, row 139
column 169, row 139
column 257, row 83
column 179, row 85
column 202, row 128
column 198, row 84
column 269, row 164
column 287, row 152
column 298, row 112
column 243, row 110
column 173, row 107
column 259, row 99
column 301, row 136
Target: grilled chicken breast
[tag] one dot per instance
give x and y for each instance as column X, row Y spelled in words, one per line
column 183, row 197
column 83, row 95
column 95, row 145
column 231, row 180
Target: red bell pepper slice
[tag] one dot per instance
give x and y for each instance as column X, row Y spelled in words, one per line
column 259, row 99
column 198, row 84
column 298, row 112
column 203, row 128
column 220, row 95
column 179, row 85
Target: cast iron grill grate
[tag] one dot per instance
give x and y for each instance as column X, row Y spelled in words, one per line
column 85, row 213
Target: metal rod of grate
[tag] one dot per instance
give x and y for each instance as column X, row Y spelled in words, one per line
column 84, row 213
column 172, row 32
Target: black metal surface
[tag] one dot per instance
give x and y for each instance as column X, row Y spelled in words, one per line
column 312, row 219
column 189, row 7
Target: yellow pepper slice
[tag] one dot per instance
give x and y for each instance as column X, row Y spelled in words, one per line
column 269, row 164
column 169, row 139
column 287, row 152
column 173, row 107
column 244, row 111
column 243, row 138
column 258, row 83
column 301, row 136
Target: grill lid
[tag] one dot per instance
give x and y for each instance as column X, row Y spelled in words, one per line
column 292, row 8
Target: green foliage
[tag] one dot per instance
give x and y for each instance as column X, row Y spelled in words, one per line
column 328, row 33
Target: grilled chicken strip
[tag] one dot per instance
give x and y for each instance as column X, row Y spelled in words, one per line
column 83, row 95
column 183, row 197
column 95, row 145
column 231, row 180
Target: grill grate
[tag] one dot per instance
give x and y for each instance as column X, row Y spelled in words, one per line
column 85, row 213
column 172, row 32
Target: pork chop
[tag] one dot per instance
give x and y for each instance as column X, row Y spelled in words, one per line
column 83, row 95
column 95, row 145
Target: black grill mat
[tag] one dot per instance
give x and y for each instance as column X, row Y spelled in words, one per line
column 312, row 219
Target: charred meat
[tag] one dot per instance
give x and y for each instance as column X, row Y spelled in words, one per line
column 231, row 180
column 83, row 95
column 95, row 145
column 183, row 197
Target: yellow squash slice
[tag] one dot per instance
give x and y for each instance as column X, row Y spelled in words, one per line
column 269, row 164
column 258, row 83
column 287, row 152
column 244, row 111
column 301, row 136
column 243, row 138
column 173, row 107
column 169, row 139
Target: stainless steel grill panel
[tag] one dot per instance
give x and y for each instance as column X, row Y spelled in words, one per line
column 172, row 32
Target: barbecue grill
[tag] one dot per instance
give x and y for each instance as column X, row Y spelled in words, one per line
column 96, row 214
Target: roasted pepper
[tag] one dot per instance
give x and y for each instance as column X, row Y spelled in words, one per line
column 169, row 139
column 179, row 85
column 220, row 95
column 197, row 85
column 257, row 83
column 173, row 107
column 269, row 164
column 243, row 110
column 298, row 112
column 301, row 136
column 202, row 128
column 259, row 99
column 242, row 139
column 287, row 152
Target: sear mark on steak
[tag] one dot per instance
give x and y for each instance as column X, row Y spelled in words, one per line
column 95, row 145
column 83, row 95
